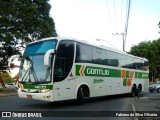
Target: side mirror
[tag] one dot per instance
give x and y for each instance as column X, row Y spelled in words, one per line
column 11, row 58
column 46, row 56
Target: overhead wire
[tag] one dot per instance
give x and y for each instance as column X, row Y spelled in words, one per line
column 110, row 21
column 121, row 13
column 126, row 22
column 115, row 14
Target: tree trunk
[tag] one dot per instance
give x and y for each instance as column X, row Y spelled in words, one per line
column 2, row 82
column 16, row 78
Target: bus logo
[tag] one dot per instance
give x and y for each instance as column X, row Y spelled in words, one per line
column 82, row 70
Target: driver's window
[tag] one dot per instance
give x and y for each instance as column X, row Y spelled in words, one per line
column 64, row 60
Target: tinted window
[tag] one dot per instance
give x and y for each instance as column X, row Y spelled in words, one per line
column 83, row 53
column 112, row 59
column 97, row 55
column 104, row 57
column 130, row 62
column 145, row 65
column 40, row 47
column 138, row 64
column 64, row 60
column 65, row 50
column 122, row 60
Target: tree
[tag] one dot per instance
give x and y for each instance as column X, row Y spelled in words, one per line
column 23, row 21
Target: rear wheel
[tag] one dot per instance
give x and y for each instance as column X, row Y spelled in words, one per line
column 133, row 91
column 138, row 90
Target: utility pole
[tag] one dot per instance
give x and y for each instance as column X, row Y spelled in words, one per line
column 123, row 38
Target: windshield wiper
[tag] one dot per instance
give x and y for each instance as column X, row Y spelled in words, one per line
column 30, row 71
column 34, row 74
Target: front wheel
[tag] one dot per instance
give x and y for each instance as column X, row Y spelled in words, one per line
column 80, row 96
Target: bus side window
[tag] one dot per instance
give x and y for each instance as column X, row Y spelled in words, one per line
column 83, row 53
column 138, row 64
column 97, row 56
column 122, row 60
column 130, row 62
column 112, row 58
column 145, row 66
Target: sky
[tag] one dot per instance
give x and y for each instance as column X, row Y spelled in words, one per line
column 90, row 20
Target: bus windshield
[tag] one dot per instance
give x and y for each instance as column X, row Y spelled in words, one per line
column 32, row 69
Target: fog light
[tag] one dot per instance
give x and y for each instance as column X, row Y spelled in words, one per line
column 48, row 96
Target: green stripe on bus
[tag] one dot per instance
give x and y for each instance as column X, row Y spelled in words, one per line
column 127, row 74
column 141, row 75
column 78, row 67
column 25, row 86
column 83, row 70
column 125, row 82
column 97, row 71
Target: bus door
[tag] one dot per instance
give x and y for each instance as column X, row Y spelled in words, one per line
column 64, row 81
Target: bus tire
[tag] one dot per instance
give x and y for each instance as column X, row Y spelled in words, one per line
column 80, row 96
column 133, row 91
column 138, row 90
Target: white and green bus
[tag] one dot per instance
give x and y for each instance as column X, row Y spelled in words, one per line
column 55, row 69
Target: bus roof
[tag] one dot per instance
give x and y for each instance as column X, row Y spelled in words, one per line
column 86, row 42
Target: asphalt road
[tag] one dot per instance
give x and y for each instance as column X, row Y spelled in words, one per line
column 90, row 110
column 147, row 102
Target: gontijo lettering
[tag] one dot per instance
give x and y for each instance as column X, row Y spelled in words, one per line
column 97, row 71
column 83, row 70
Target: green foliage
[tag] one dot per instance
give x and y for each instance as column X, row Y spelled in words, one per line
column 27, row 20
column 23, row 21
column 149, row 50
column 6, row 77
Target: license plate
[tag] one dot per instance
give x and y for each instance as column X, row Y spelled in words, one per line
column 29, row 96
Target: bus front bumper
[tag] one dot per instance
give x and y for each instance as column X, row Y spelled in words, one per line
column 48, row 96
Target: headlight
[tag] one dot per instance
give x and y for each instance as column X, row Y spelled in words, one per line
column 43, row 90
column 20, row 89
